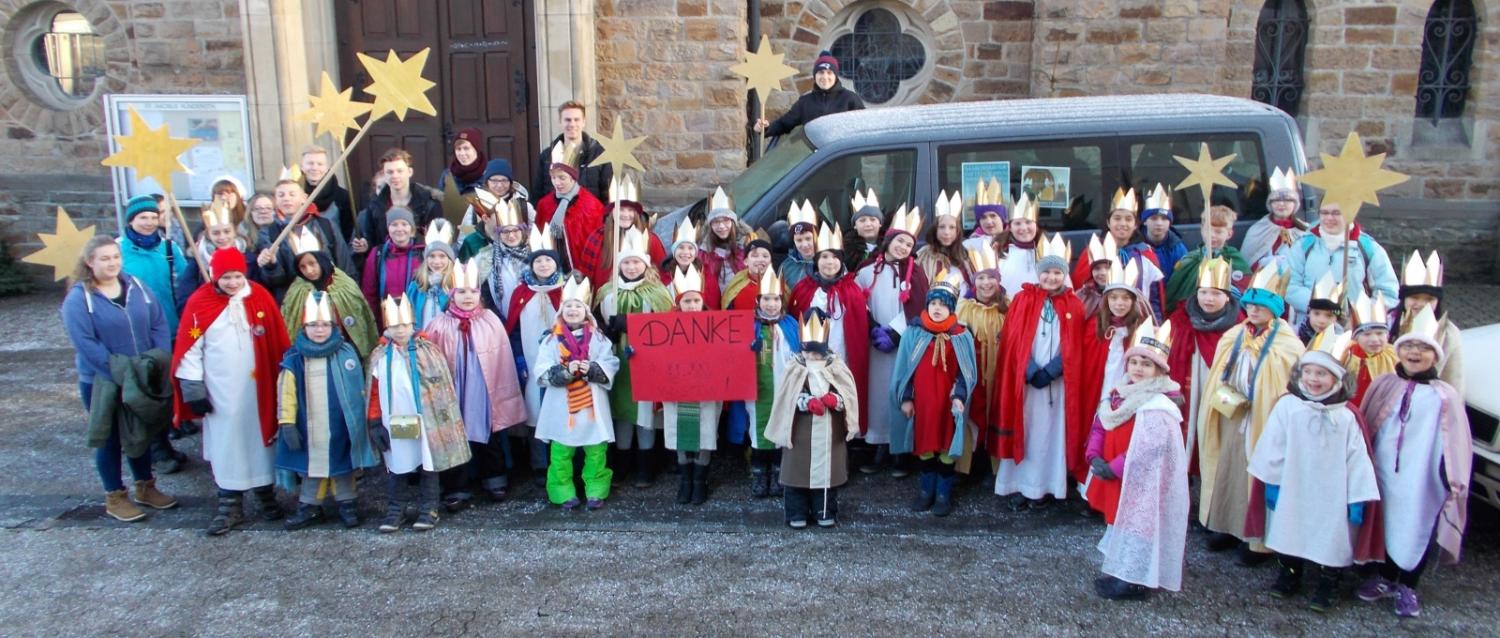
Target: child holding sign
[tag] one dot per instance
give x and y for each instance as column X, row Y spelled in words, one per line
column 575, row 366
column 812, row 417
column 691, row 429
column 637, row 289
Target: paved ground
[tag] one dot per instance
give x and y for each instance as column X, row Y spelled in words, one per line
column 642, row 565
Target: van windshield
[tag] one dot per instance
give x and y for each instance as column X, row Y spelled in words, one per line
column 789, row 151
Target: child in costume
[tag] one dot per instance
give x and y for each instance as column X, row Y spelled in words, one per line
column 776, row 342
column 1252, row 364
column 322, row 435
column 831, row 289
column 942, row 243
column 414, row 416
column 533, row 312
column 500, row 250
column 477, row 349
column 691, row 429
column 1423, row 459
column 1217, row 228
column 812, row 418
column 990, row 208
column 723, row 245
column 1122, row 226
column 1018, row 252
column 1156, row 222
column 933, row 379
column 1371, row 355
column 1422, row 287
column 896, row 287
column 864, row 239
column 433, row 282
column 1198, row 324
column 597, row 258
column 1042, row 367
column 316, row 272
column 219, row 231
column 635, row 290
column 575, row 365
column 686, row 254
column 1323, row 309
column 1270, row 239
column 1100, row 255
column 1138, row 473
column 1107, row 336
column 803, row 223
column 229, row 344
column 743, row 290
column 393, row 264
column 1314, row 465
column 984, row 316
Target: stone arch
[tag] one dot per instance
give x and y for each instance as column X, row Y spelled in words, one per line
column 935, row 23
column 29, row 114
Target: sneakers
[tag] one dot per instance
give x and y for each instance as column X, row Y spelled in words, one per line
column 1376, row 588
column 306, row 516
column 570, row 505
column 426, row 520
column 147, row 494
column 827, row 522
column 349, row 514
column 1288, row 583
column 594, row 504
column 119, row 507
column 797, row 523
column 394, row 515
column 1407, row 605
column 1111, row 588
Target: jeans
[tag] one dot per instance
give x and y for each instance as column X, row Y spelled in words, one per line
column 107, row 458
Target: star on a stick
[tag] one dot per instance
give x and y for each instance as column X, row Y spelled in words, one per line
column 763, row 70
column 60, row 250
column 1205, row 172
column 151, row 152
column 398, row 85
column 1352, row 179
column 335, row 112
column 619, row 150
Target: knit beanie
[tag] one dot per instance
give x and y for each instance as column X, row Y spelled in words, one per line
column 399, row 213
column 827, row 62
column 140, row 204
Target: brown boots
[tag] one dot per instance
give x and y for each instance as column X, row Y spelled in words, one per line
column 120, row 506
column 147, row 494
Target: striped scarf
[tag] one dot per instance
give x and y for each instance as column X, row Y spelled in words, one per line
column 571, row 348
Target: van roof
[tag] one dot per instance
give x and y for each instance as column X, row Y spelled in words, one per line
column 1106, row 114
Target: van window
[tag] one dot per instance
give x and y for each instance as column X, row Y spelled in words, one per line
column 1151, row 162
column 1067, row 176
column 760, row 176
column 892, row 173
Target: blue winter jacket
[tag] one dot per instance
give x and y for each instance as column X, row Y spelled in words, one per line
column 1169, row 252
column 1370, row 268
column 171, row 286
column 99, row 328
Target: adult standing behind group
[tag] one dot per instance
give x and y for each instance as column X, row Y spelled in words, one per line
column 577, row 149
column 400, row 190
column 826, row 97
column 160, row 264
column 278, row 268
column 1325, row 251
column 333, row 202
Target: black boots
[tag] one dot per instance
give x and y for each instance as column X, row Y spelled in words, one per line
column 1327, row 592
column 700, row 484
column 928, row 492
column 306, row 516
column 1111, row 588
column 349, row 513
column 684, row 483
column 270, row 510
column 760, row 481
column 644, row 477
column 1288, row 581
column 943, row 505
column 231, row 513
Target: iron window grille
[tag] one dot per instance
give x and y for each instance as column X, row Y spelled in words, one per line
column 1447, row 52
column 1280, row 45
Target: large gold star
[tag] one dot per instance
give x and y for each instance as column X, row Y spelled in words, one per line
column 60, row 250
column 335, row 112
column 454, row 204
column 1352, row 179
column 398, row 85
column 763, row 70
column 618, row 150
column 151, row 152
column 1205, row 172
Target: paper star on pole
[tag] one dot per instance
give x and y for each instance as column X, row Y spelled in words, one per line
column 1352, row 179
column 619, row 150
column 335, row 112
column 763, row 70
column 60, row 250
column 398, row 85
column 1205, row 172
column 151, row 152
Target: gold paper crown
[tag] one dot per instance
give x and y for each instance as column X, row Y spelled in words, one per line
column 984, row 257
column 506, row 213
column 1271, row 279
column 440, row 231
column 802, row 214
column 624, row 190
column 1424, row 324
column 770, row 284
column 830, row 239
column 949, row 280
column 578, row 288
column 1106, row 250
column 689, row 280
column 686, row 232
column 632, row 244
column 907, row 222
column 1159, row 200
column 1125, row 200
column 1027, row 208
column 1331, row 342
column 1054, row 246
column 1326, row 290
column 291, row 173
column 813, row 329
column 539, row 240
column 720, row 200
column 397, row 311
column 949, row 206
column 1152, row 337
column 989, row 193
column 565, row 153
column 466, row 275
column 865, row 200
column 1214, row 273
column 1420, row 273
column 304, row 241
column 1369, row 311
column 1127, row 278
column 318, row 307
column 1283, row 180
column 217, row 214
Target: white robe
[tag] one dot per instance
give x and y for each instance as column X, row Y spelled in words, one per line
column 885, row 306
column 1412, row 498
column 232, row 442
column 537, row 318
column 590, row 426
column 1114, row 364
column 835, row 314
column 1044, row 470
column 1146, row 544
column 397, row 398
column 1017, row 269
column 1317, row 455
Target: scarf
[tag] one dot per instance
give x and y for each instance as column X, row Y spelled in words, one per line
column 145, row 242
column 1126, row 399
column 311, row 350
column 528, row 277
column 1220, row 321
column 470, row 173
column 571, row 347
column 1025, row 245
column 941, row 335
column 324, row 200
column 905, row 280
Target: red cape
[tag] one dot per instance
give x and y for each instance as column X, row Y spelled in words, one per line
column 849, row 296
column 1095, row 354
column 1015, row 352
column 710, row 284
column 598, row 269
column 1187, row 341
column 713, row 263
column 585, row 214
column 267, row 333
column 520, row 298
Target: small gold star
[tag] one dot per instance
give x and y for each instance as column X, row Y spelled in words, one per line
column 1205, row 172
column 335, row 112
column 398, row 85
column 763, row 70
column 619, row 151
column 152, row 153
column 194, row 332
column 60, row 250
column 1352, row 179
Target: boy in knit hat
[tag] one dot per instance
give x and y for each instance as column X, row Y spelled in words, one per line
column 804, row 231
column 826, row 97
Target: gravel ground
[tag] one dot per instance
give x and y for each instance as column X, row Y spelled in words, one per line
column 642, row 565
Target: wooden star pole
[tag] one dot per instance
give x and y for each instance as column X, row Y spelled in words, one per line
column 1351, row 180
column 343, row 157
column 187, row 233
column 763, row 70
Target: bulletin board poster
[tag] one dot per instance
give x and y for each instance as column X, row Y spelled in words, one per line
column 220, row 123
column 1049, row 185
column 971, row 173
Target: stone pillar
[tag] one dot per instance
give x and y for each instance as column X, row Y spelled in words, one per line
column 564, row 62
column 288, row 45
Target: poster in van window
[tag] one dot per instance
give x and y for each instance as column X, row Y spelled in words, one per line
column 1049, row 185
column 971, row 174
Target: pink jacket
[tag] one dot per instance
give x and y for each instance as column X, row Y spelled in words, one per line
column 496, row 362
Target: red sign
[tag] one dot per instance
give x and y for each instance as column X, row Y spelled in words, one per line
column 692, row 356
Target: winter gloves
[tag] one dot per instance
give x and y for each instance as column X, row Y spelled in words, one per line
column 1273, row 492
column 1042, row 376
column 884, row 338
column 820, row 405
column 1356, row 513
column 195, row 395
column 1102, row 469
column 380, row 437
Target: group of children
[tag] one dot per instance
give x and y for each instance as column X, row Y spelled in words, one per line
column 1116, row 376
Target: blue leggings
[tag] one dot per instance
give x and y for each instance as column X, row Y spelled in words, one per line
column 107, row 458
